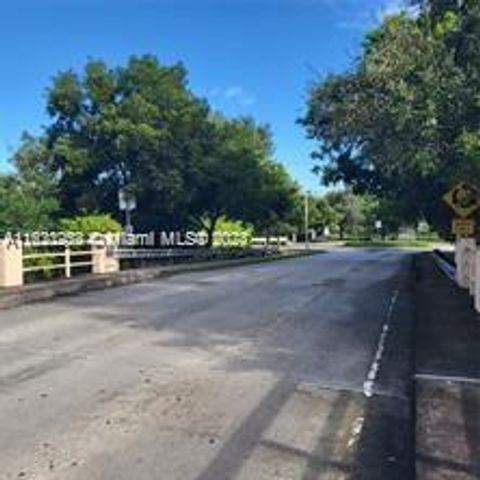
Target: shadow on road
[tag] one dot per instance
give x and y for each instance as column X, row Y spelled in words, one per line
column 244, row 333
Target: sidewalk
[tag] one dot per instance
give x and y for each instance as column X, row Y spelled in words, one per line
column 447, row 378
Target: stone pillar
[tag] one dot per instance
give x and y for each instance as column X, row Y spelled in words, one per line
column 104, row 261
column 477, row 281
column 11, row 264
column 472, row 265
column 459, row 274
column 457, row 250
column 465, row 259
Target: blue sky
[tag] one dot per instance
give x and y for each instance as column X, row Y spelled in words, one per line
column 246, row 56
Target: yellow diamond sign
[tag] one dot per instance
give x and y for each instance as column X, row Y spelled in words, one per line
column 464, row 199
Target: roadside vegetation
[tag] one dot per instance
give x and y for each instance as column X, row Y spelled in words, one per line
column 402, row 124
column 139, row 127
column 393, row 133
column 389, row 243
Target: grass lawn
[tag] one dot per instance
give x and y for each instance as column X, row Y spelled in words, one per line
column 389, row 243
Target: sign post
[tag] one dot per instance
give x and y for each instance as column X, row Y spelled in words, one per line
column 464, row 200
column 127, row 203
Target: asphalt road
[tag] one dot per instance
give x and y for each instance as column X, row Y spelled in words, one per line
column 297, row 369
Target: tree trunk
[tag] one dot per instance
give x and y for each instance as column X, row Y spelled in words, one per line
column 211, row 231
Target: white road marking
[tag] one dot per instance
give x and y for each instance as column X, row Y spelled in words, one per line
column 447, row 378
column 357, row 428
column 369, row 384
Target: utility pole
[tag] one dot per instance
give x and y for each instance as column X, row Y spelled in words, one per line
column 307, row 228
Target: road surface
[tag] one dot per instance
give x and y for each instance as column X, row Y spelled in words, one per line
column 297, row 369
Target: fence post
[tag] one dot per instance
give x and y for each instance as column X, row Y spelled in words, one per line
column 104, row 261
column 11, row 264
column 68, row 262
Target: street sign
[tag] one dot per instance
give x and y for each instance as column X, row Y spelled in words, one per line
column 463, row 227
column 126, row 200
column 464, row 199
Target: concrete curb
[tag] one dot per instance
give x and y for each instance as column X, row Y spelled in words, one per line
column 47, row 290
column 447, row 268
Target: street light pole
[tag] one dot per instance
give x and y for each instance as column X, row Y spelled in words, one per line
column 307, row 240
column 128, row 222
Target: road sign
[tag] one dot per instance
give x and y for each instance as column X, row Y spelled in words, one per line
column 464, row 199
column 126, row 200
column 463, row 227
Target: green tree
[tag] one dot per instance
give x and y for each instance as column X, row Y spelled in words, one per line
column 354, row 213
column 240, row 233
column 402, row 124
column 272, row 208
column 28, row 195
column 237, row 178
column 137, row 126
column 223, row 182
column 93, row 223
column 323, row 214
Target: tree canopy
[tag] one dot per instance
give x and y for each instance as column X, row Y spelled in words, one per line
column 28, row 196
column 403, row 123
column 139, row 126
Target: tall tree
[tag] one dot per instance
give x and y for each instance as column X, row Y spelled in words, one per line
column 137, row 126
column 403, row 123
column 238, row 179
column 272, row 208
column 28, row 195
column 354, row 213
